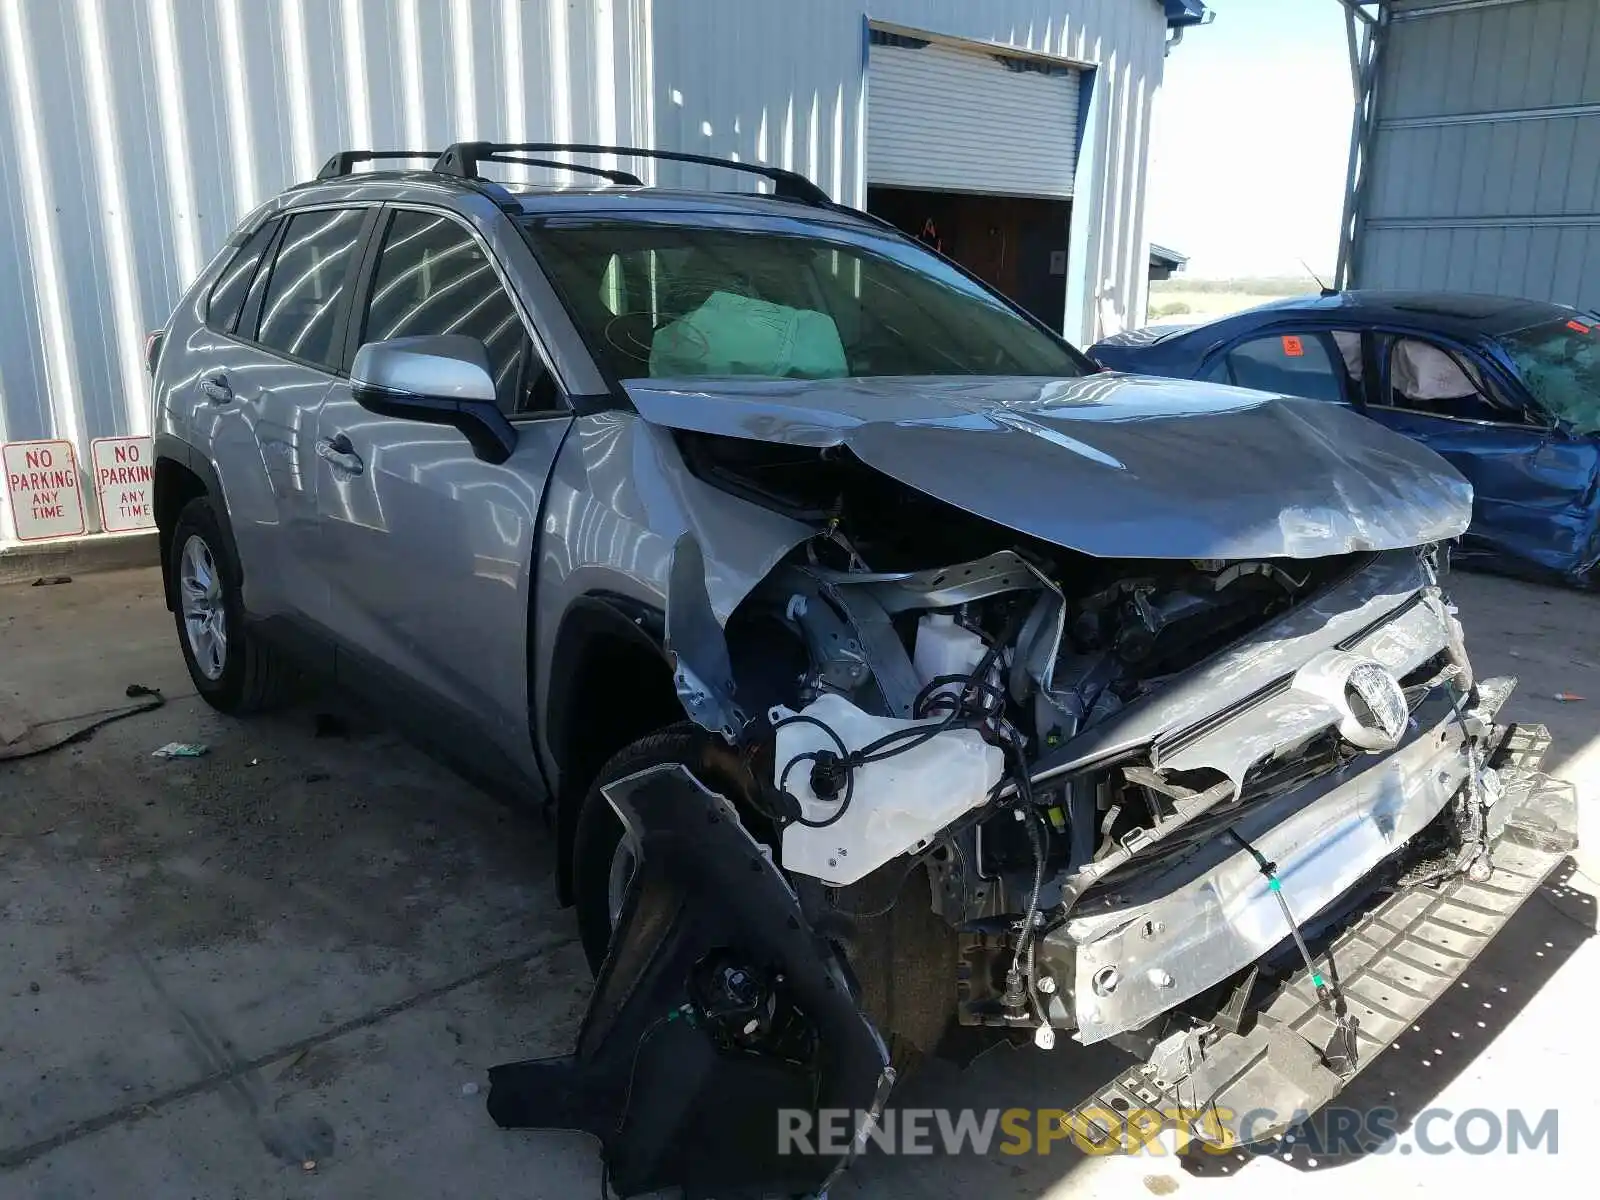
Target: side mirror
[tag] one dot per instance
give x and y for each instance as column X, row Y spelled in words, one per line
column 441, row 379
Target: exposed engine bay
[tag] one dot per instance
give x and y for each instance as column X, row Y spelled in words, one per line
column 920, row 698
column 1115, row 799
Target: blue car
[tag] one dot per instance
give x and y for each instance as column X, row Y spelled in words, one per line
column 1507, row 390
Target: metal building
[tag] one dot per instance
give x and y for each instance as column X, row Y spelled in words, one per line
column 135, row 133
column 1475, row 160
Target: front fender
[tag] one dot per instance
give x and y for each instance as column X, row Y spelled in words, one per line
column 620, row 498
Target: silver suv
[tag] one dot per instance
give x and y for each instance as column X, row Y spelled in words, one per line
column 882, row 665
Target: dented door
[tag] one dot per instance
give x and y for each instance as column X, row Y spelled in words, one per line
column 1534, row 484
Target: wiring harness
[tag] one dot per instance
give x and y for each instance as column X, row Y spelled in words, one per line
column 973, row 701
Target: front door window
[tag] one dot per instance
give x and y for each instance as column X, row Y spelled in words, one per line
column 1427, row 378
column 433, row 278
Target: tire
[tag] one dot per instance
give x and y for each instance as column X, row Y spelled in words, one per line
column 599, row 831
column 237, row 674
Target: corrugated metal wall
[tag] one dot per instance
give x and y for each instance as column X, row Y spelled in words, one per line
column 135, row 133
column 1486, row 156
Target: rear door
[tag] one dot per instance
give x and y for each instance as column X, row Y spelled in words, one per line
column 1308, row 362
column 258, row 386
column 1533, row 484
column 427, row 549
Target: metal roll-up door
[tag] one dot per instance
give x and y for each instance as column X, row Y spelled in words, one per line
column 970, row 120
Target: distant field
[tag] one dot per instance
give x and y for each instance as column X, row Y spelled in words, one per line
column 1174, row 305
column 1199, row 299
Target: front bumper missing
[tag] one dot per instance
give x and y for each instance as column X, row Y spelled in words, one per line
column 1168, row 935
column 717, row 1008
column 1393, row 963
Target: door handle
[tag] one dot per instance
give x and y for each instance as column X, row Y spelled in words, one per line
column 215, row 388
column 338, row 451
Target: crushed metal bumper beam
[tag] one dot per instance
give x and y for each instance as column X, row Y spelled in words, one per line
column 717, row 1008
column 1167, row 936
column 1392, row 964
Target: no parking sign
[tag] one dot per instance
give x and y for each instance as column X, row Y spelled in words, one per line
column 123, row 469
column 42, row 483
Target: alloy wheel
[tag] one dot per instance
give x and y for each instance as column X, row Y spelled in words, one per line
column 205, row 620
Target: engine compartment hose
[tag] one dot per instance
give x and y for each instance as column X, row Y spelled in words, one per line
column 835, row 769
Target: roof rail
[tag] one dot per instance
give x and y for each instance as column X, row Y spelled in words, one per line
column 344, row 162
column 462, row 160
column 624, row 177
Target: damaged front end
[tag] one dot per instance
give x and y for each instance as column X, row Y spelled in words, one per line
column 998, row 782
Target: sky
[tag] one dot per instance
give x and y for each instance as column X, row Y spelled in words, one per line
column 1250, row 137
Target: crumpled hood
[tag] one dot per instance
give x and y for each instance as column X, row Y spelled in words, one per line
column 1118, row 466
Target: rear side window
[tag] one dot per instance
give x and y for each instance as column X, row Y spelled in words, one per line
column 228, row 293
column 1290, row 364
column 433, row 278
column 300, row 310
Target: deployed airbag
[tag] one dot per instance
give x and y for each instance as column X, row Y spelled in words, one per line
column 739, row 335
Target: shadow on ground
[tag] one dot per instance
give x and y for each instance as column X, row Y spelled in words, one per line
column 1389, row 1095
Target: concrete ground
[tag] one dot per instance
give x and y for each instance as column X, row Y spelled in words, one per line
column 282, row 969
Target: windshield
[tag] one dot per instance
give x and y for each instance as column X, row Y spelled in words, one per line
column 656, row 300
column 1560, row 363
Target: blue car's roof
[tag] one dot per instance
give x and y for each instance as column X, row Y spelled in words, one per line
column 1464, row 316
column 1464, row 313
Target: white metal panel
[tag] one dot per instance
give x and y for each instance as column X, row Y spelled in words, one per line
column 135, row 133
column 786, row 83
column 970, row 120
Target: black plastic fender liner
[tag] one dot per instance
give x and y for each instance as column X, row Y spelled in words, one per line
column 681, row 1090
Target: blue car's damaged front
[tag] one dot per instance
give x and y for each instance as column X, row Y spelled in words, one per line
column 1507, row 390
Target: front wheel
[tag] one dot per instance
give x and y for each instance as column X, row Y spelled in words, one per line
column 232, row 669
